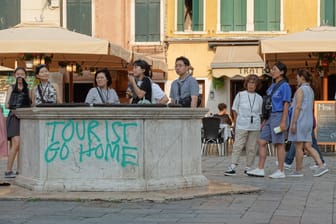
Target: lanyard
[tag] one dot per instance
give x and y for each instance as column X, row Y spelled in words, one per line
column 251, row 105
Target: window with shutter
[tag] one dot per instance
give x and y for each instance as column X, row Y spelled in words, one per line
column 147, row 20
column 328, row 12
column 190, row 15
column 79, row 16
column 233, row 15
column 9, row 13
column 266, row 15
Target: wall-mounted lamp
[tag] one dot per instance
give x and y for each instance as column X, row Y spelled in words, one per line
column 72, row 67
column 212, row 94
column 38, row 60
column 32, row 60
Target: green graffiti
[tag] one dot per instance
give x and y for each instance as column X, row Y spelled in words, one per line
column 88, row 139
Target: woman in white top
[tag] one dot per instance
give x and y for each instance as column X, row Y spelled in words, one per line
column 102, row 93
column 246, row 114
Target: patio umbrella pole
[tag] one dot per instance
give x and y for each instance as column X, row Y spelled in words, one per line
column 71, row 86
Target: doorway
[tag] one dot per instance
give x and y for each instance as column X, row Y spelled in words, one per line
column 332, row 87
column 80, row 91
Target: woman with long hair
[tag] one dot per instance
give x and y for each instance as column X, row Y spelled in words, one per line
column 17, row 97
column 301, row 126
column 274, row 128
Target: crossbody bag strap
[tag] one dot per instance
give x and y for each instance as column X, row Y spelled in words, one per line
column 277, row 86
column 100, row 95
column 40, row 92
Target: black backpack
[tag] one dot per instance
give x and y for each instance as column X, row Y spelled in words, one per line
column 267, row 102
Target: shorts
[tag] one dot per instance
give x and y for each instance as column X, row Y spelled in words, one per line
column 268, row 134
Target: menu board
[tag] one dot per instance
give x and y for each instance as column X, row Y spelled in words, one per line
column 325, row 114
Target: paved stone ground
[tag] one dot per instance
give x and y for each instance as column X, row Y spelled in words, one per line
column 292, row 200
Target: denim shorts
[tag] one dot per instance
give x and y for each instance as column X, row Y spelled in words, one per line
column 268, row 134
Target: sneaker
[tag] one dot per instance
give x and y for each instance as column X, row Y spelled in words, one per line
column 295, row 173
column 10, row 174
column 277, row 174
column 314, row 167
column 230, row 171
column 287, row 166
column 320, row 171
column 256, row 172
column 246, row 169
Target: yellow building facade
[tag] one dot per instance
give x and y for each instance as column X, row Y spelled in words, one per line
column 228, row 51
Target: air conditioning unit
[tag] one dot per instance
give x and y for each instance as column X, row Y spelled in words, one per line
column 54, row 3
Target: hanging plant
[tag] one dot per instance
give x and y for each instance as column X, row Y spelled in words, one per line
column 218, row 83
column 324, row 59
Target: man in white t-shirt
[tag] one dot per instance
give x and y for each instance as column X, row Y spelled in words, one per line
column 158, row 96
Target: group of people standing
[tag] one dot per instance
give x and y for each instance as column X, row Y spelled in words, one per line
column 141, row 89
column 254, row 132
column 19, row 96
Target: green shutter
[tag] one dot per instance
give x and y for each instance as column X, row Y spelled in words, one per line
column 273, row 15
column 226, row 17
column 79, row 16
column 233, row 15
column 9, row 13
column 266, row 15
column 197, row 15
column 328, row 9
column 180, row 15
column 154, row 20
column 334, row 7
column 239, row 15
column 141, row 26
column 322, row 12
column 86, row 17
column 147, row 20
column 260, row 15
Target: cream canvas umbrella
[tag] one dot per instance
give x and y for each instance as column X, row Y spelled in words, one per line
column 5, row 69
column 320, row 39
column 59, row 45
column 62, row 44
column 297, row 48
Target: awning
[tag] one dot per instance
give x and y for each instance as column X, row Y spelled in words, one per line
column 233, row 61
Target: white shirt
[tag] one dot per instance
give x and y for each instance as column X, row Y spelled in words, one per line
column 157, row 93
column 247, row 105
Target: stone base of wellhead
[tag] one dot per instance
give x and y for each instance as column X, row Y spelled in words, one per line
column 15, row 192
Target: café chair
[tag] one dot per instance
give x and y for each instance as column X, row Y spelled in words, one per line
column 211, row 129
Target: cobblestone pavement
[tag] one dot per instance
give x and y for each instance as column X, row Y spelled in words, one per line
column 303, row 200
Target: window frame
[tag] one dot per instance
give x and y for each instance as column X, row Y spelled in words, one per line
column 132, row 39
column 176, row 31
column 161, row 32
